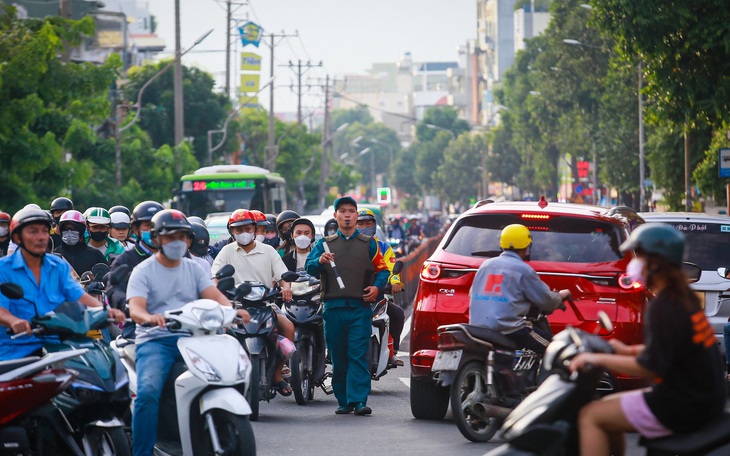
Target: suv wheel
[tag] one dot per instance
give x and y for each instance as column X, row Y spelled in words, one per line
column 428, row 400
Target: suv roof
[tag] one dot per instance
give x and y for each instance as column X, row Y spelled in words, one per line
column 622, row 214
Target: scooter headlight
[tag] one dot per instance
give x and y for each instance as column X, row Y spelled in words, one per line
column 210, row 319
column 204, row 367
column 302, row 288
column 380, row 309
column 244, row 365
column 256, row 294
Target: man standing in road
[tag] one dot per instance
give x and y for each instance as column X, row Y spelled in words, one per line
column 347, row 315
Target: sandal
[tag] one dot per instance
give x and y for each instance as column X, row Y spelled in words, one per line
column 283, row 388
column 285, row 371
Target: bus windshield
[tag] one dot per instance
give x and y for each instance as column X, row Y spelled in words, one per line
column 203, row 203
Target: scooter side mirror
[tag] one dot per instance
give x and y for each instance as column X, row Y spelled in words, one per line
column 243, row 290
column 605, row 321
column 98, row 271
column 723, row 272
column 11, row 290
column 226, row 271
column 398, row 267
column 692, row 271
column 290, row 276
column 225, row 284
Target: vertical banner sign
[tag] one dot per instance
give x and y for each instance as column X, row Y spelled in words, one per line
column 250, row 82
column 724, row 162
column 251, row 33
column 250, row 61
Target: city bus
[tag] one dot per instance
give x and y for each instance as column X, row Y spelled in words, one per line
column 225, row 188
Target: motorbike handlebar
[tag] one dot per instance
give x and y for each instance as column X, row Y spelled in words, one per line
column 32, row 332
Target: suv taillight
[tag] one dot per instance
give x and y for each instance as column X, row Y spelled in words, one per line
column 430, row 271
column 625, row 282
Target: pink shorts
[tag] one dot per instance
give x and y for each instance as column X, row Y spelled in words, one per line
column 640, row 416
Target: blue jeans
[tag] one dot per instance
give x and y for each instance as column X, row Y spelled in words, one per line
column 154, row 360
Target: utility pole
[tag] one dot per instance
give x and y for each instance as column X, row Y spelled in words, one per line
column 324, row 165
column 271, row 149
column 228, row 48
column 64, row 9
column 300, row 69
column 178, row 82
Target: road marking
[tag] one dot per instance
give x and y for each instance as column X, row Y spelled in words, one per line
column 406, row 381
column 407, row 326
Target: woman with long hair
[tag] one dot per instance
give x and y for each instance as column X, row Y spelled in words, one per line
column 679, row 355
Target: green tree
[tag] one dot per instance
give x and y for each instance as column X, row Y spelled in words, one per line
column 47, row 107
column 359, row 114
column 459, row 177
column 706, row 173
column 204, row 109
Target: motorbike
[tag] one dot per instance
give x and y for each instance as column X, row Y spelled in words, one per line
column 414, row 241
column 261, row 339
column 400, row 249
column 211, row 408
column 487, row 372
column 546, row 422
column 30, row 423
column 95, row 402
column 380, row 350
column 305, row 311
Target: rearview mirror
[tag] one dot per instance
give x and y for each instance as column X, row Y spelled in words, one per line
column 398, row 267
column 226, row 271
column 290, row 276
column 11, row 290
column 99, row 270
column 226, row 283
column 243, row 290
column 723, row 272
column 692, row 271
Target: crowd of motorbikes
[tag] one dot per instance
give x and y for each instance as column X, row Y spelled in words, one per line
column 77, row 398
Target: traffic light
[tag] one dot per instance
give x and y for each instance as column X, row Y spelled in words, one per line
column 384, row 196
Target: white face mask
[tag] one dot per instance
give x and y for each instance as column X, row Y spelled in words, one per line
column 3, row 231
column 175, row 250
column 244, row 238
column 303, row 242
column 635, row 271
column 260, row 238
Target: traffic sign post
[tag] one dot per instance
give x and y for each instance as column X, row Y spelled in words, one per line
column 384, row 196
column 724, row 162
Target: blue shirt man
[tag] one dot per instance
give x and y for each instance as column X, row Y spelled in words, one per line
column 46, row 280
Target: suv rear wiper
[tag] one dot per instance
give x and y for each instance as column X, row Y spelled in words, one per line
column 487, row 253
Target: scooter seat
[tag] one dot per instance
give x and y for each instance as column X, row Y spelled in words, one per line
column 7, row 366
column 700, row 441
column 130, row 352
column 488, row 335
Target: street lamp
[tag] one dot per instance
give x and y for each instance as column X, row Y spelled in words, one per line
column 324, row 165
column 436, row 127
column 224, row 130
column 138, row 105
column 372, row 170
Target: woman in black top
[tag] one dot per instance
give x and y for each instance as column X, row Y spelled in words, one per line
column 679, row 355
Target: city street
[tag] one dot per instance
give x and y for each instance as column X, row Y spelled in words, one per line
column 314, row 430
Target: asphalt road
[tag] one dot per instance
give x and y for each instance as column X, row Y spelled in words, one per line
column 314, row 430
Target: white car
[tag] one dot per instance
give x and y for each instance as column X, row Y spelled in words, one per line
column 708, row 246
column 217, row 224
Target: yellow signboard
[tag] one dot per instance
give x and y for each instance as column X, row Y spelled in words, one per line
column 250, row 83
column 250, row 61
column 250, row 101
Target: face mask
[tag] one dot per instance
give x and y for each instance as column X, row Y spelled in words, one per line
column 260, row 238
column 244, row 238
column 368, row 231
column 331, row 232
column 97, row 236
column 3, row 231
column 70, row 237
column 303, row 241
column 635, row 271
column 146, row 236
column 270, row 235
column 175, row 250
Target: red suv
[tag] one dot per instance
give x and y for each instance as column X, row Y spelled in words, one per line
column 575, row 247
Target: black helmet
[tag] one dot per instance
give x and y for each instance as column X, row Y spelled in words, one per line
column 196, row 219
column 168, row 221
column 120, row 209
column 201, row 239
column 145, row 210
column 62, row 204
column 26, row 216
column 331, row 225
column 271, row 218
column 658, row 239
column 285, row 216
column 303, row 221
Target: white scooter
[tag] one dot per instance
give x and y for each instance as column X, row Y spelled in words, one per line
column 212, row 412
column 381, row 343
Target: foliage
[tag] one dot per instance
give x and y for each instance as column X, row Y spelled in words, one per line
column 359, row 114
column 706, row 173
column 459, row 176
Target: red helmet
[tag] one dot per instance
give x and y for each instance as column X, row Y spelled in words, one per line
column 259, row 217
column 240, row 217
column 5, row 217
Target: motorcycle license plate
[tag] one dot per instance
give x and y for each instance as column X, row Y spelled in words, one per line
column 446, row 360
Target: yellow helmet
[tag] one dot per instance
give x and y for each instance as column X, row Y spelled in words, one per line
column 515, row 236
column 365, row 214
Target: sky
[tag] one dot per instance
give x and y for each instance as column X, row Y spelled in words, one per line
column 345, row 35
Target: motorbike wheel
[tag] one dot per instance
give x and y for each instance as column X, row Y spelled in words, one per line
column 235, row 435
column 470, row 387
column 109, row 442
column 298, row 377
column 252, row 395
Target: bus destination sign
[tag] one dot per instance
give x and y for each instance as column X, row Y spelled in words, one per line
column 213, row 185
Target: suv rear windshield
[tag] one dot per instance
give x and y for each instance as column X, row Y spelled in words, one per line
column 708, row 244
column 557, row 239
